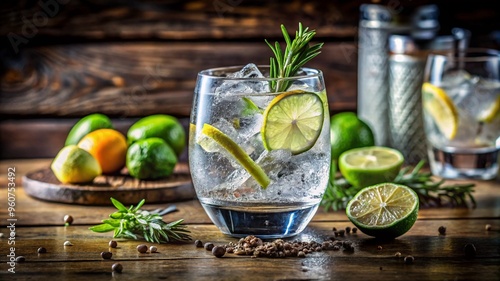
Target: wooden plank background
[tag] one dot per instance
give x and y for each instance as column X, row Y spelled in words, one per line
column 64, row 59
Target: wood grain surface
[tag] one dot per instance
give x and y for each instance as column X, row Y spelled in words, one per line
column 436, row 257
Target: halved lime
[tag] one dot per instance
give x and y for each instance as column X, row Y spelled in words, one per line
column 491, row 112
column 234, row 149
column 385, row 210
column 293, row 121
column 370, row 165
column 441, row 108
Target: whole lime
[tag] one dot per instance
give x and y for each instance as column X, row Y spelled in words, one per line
column 75, row 165
column 161, row 126
column 86, row 125
column 347, row 131
column 150, row 158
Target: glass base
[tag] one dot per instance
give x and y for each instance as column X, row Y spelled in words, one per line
column 263, row 221
column 464, row 164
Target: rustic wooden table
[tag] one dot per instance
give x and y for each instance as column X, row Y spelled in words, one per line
column 437, row 257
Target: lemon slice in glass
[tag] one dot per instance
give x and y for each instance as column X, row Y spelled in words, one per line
column 214, row 136
column 441, row 108
column 491, row 112
column 293, row 121
column 385, row 210
column 370, row 165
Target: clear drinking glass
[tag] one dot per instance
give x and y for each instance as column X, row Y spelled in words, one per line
column 250, row 178
column 461, row 105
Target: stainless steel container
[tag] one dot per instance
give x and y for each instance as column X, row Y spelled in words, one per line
column 406, row 71
column 375, row 26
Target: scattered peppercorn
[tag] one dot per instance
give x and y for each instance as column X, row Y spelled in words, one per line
column 409, row 259
column 209, row 246
column 380, row 268
column 113, row 244
column 336, row 233
column 379, row 248
column 397, row 254
column 153, row 249
column 218, row 251
column 68, row 243
column 334, row 228
column 341, row 233
column 142, row 248
column 1, row 235
column 116, row 267
column 42, row 250
column 347, row 230
column 20, row 259
column 354, row 230
column 198, row 244
column 442, row 230
column 470, row 250
column 68, row 219
column 487, row 227
column 106, row 255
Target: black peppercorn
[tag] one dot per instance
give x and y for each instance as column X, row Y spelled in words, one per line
column 409, row 259
column 153, row 249
column 209, row 246
column 470, row 250
column 347, row 230
column 354, row 230
column 20, row 259
column 198, row 244
column 218, row 251
column 106, row 255
column 68, row 219
column 442, row 230
column 487, row 227
column 379, row 248
column 42, row 250
column 142, row 248
column 113, row 244
column 116, row 267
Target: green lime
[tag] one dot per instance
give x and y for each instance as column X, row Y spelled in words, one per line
column 86, row 125
column 347, row 131
column 75, row 165
column 385, row 210
column 293, row 121
column 162, row 126
column 212, row 138
column 150, row 158
column 370, row 165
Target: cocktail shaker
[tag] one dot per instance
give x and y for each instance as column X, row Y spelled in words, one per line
column 376, row 24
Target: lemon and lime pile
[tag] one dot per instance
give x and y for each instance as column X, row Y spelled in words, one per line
column 93, row 147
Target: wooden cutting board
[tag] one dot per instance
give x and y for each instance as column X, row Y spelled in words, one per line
column 43, row 184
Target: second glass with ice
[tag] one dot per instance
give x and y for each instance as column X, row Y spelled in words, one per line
column 259, row 159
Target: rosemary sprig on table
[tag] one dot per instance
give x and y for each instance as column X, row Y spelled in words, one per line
column 430, row 192
column 133, row 223
column 297, row 53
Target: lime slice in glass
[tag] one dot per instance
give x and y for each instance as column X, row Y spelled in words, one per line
column 385, row 210
column 441, row 108
column 212, row 140
column 370, row 165
column 293, row 121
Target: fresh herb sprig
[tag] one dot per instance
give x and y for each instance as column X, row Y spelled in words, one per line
column 430, row 192
column 133, row 223
column 297, row 53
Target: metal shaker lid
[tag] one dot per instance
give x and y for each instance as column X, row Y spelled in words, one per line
column 406, row 44
column 425, row 22
column 375, row 16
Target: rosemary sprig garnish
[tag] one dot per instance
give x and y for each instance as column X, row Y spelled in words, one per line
column 297, row 53
column 133, row 223
column 430, row 192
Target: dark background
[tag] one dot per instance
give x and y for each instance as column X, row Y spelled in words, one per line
column 61, row 60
